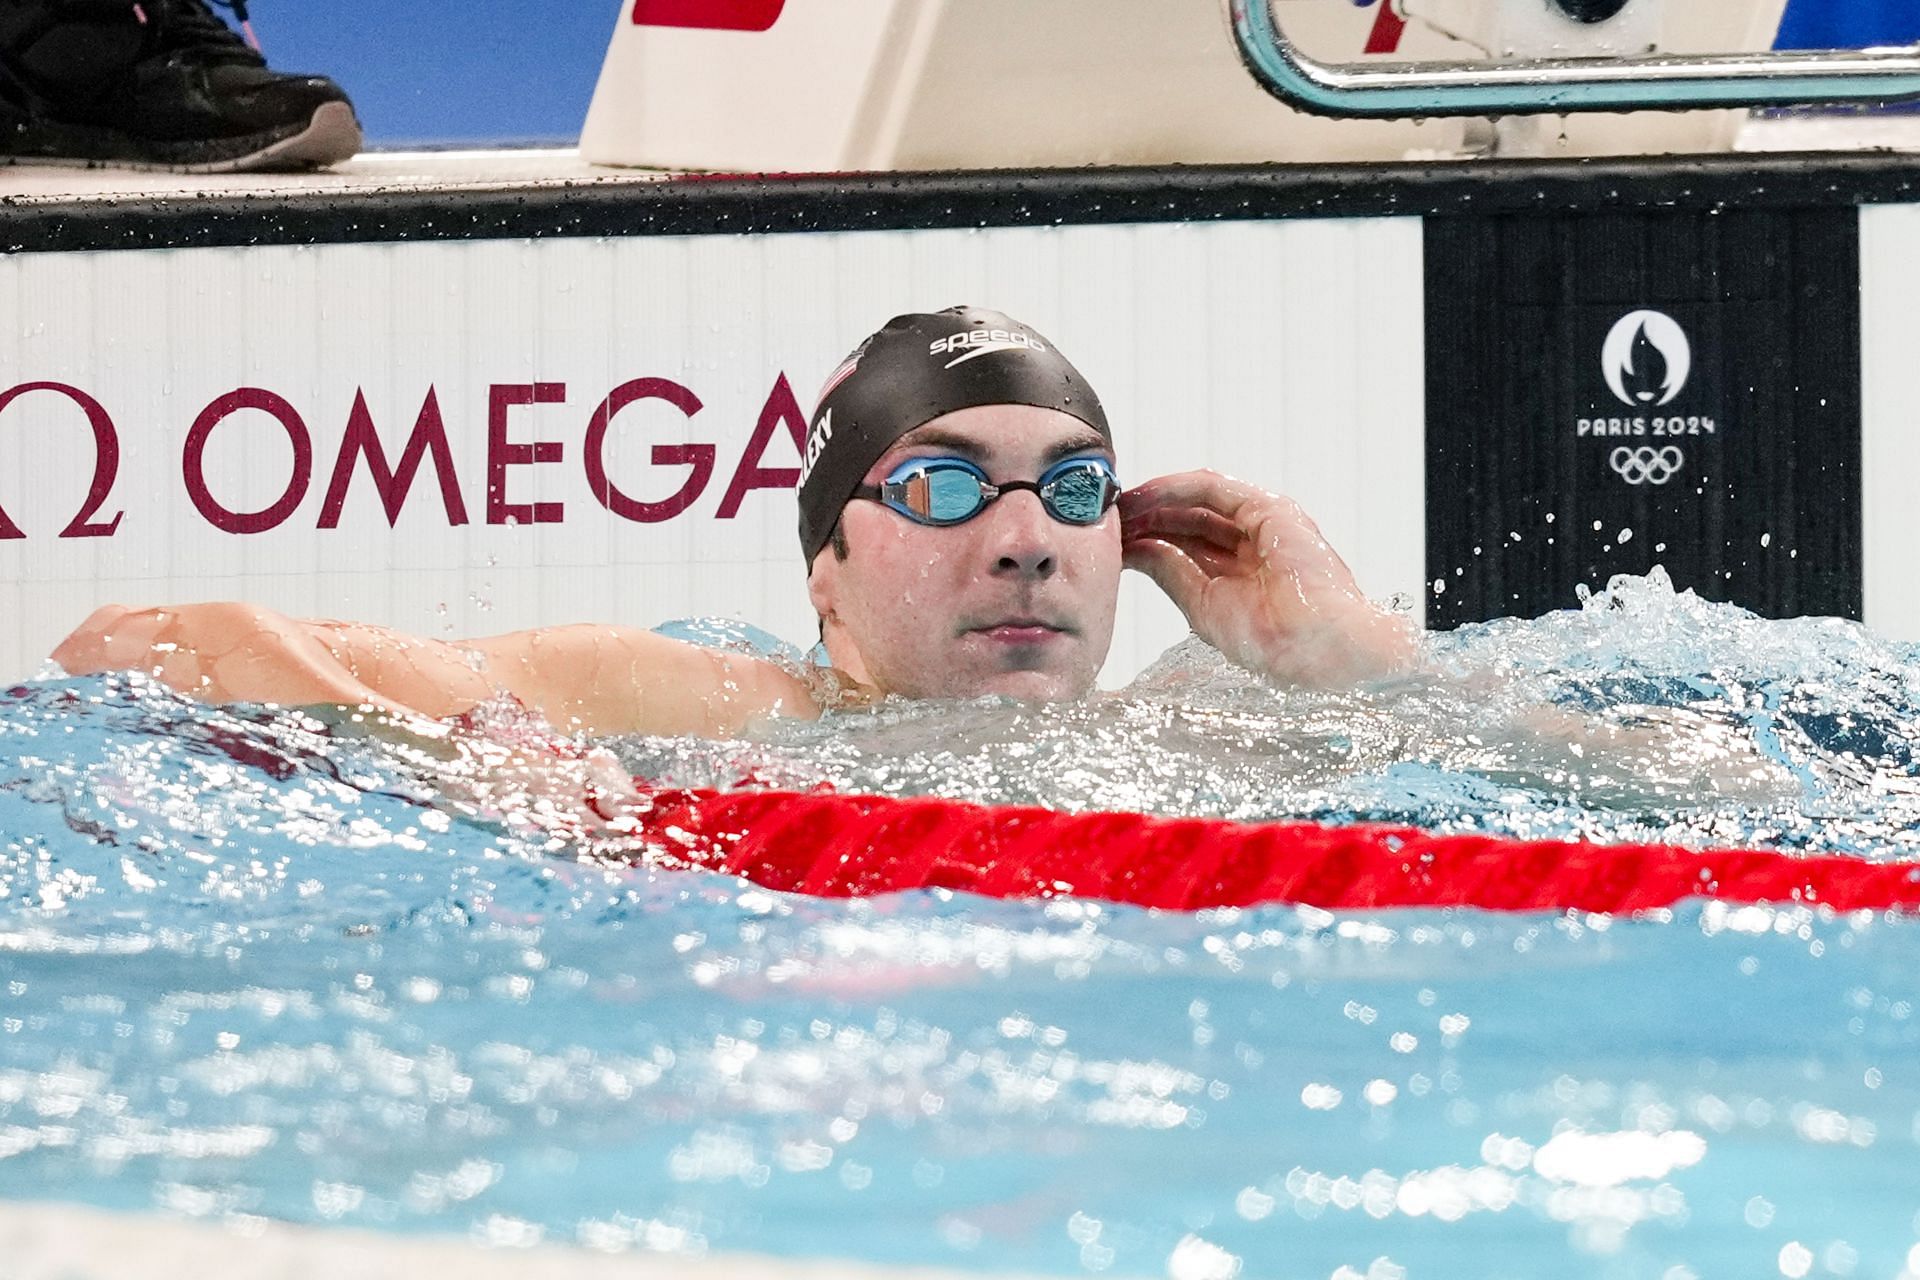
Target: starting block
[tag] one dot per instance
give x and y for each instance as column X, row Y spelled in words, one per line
column 827, row 86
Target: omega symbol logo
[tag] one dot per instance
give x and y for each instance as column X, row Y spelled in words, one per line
column 1646, row 358
column 1646, row 464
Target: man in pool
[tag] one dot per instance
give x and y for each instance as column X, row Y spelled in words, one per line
column 964, row 534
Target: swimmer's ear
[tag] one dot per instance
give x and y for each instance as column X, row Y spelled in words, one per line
column 823, row 583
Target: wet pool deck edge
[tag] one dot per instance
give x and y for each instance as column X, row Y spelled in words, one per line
column 418, row 197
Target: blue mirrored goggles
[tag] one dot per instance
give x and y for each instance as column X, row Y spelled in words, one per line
column 943, row 491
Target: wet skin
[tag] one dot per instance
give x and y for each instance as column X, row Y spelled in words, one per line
column 1011, row 602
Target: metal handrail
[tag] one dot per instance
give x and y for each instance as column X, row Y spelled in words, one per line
column 1559, row 85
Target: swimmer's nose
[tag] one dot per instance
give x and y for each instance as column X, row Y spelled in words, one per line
column 1036, row 564
column 1022, row 538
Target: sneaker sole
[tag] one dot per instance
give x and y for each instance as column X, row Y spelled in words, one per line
column 330, row 136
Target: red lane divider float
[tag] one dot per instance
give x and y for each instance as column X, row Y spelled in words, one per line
column 853, row 845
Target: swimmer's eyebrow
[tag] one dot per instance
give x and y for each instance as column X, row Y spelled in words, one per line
column 1085, row 442
column 959, row 442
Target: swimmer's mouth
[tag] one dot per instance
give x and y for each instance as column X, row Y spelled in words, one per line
column 1021, row 630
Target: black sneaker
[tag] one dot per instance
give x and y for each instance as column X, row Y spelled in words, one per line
column 158, row 84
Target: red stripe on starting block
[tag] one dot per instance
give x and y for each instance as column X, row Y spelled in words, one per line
column 725, row 15
column 1387, row 26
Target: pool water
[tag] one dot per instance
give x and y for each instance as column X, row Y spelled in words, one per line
column 255, row 962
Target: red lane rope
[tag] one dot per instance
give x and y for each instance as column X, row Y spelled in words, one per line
column 853, row 845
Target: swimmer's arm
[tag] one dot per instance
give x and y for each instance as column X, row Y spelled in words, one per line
column 597, row 679
column 587, row 678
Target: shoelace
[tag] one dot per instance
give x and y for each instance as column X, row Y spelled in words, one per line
column 190, row 24
column 238, row 8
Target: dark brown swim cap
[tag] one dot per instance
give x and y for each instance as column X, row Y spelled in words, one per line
column 914, row 370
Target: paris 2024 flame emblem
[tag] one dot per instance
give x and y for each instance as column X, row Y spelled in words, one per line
column 1646, row 358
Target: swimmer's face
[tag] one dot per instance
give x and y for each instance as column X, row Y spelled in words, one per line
column 1012, row 602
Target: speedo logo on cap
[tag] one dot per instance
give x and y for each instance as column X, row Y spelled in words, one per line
column 982, row 342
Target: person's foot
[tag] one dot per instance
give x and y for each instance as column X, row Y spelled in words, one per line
column 158, row 84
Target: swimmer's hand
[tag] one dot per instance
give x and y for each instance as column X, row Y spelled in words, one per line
column 220, row 653
column 1258, row 581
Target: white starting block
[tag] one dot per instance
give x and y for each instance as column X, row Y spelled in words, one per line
column 839, row 85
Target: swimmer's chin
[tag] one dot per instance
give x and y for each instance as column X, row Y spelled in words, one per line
column 1027, row 686
column 1023, row 684
column 1014, row 686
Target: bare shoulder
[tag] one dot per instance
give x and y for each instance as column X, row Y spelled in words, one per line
column 609, row 679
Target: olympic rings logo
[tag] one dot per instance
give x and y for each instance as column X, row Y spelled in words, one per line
column 1647, row 465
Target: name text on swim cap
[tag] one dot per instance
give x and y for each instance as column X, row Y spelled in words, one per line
column 816, row 443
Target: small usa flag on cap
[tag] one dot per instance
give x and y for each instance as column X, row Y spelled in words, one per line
column 841, row 374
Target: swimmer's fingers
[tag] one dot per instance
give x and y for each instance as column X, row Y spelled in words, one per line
column 1178, row 523
column 1172, row 570
column 1225, row 511
column 113, row 638
column 80, row 653
column 103, row 618
column 1209, row 489
column 1211, row 559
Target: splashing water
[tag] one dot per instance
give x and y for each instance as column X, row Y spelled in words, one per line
column 1646, row 715
column 259, row 962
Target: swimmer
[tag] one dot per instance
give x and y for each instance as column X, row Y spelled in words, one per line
column 964, row 533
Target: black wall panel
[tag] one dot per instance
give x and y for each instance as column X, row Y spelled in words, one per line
column 1609, row 391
